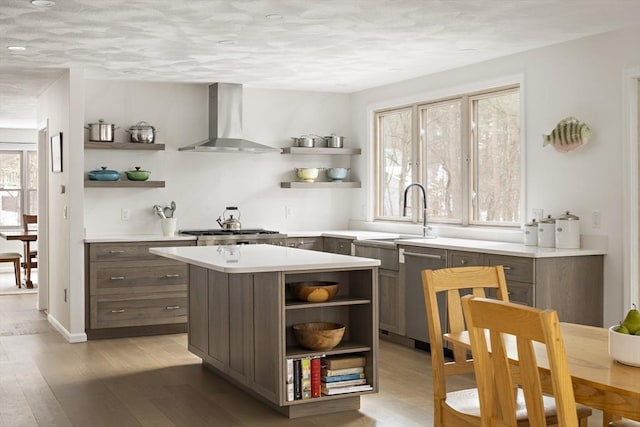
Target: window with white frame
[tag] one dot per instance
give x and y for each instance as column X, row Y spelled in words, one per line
column 465, row 151
column 18, row 184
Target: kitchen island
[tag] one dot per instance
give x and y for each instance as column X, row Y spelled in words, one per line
column 241, row 313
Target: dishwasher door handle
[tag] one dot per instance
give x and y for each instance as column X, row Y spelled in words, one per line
column 430, row 256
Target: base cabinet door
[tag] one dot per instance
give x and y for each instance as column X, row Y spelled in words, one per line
column 218, row 319
column 391, row 302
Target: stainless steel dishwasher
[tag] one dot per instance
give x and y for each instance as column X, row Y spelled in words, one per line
column 417, row 259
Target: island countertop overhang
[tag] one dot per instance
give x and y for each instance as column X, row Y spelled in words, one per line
column 261, row 258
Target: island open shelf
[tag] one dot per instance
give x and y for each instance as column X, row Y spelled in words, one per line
column 241, row 316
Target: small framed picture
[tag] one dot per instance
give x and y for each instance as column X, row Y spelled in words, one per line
column 56, row 153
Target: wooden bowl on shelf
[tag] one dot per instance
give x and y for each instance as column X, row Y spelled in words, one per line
column 314, row 291
column 318, row 336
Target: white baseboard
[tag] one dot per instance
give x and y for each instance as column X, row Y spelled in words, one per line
column 71, row 338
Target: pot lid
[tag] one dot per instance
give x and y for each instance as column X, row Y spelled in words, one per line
column 548, row 220
column 104, row 170
column 533, row 223
column 568, row 217
column 101, row 122
column 138, row 170
column 142, row 126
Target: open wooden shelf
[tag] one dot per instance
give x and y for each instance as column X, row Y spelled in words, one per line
column 321, row 150
column 322, row 184
column 123, row 146
column 123, row 184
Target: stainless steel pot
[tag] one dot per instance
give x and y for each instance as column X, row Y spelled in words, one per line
column 101, row 131
column 142, row 132
column 305, row 140
column 334, row 141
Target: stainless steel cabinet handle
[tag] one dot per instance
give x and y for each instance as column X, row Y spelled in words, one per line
column 292, row 245
column 506, row 267
column 118, row 311
column 463, row 261
column 173, row 307
column 171, row 275
column 116, row 252
column 430, row 256
column 117, row 278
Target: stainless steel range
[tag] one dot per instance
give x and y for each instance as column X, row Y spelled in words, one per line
column 236, row 237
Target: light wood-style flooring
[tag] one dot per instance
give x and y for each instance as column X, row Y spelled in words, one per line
column 155, row 381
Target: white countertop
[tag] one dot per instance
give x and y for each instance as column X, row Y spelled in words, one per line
column 344, row 234
column 498, row 248
column 261, row 258
column 136, row 238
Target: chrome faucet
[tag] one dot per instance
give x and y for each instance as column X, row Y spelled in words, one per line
column 425, row 227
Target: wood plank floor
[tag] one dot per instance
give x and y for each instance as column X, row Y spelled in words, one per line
column 155, row 381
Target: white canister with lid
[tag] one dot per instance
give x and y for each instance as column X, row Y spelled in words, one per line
column 568, row 231
column 547, row 232
column 531, row 233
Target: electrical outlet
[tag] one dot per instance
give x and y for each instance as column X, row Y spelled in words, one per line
column 125, row 214
column 595, row 219
column 288, row 212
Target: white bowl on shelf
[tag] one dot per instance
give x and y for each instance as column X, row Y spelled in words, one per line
column 308, row 174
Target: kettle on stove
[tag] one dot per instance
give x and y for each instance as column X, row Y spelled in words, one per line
column 230, row 223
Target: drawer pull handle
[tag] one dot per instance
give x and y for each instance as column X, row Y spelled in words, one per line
column 173, row 307
column 116, row 252
column 118, row 311
column 430, row 256
column 171, row 275
column 463, row 261
column 117, row 278
column 506, row 267
column 292, row 245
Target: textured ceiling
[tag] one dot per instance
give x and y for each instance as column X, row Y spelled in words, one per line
column 321, row 45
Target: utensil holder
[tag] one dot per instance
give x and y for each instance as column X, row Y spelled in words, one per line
column 168, row 226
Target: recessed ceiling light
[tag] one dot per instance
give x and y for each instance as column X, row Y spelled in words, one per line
column 43, row 3
column 16, row 48
column 273, row 16
column 226, row 42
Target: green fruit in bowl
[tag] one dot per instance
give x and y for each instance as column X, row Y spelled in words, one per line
column 631, row 322
column 622, row 329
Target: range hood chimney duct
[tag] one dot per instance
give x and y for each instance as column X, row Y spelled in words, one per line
column 225, row 123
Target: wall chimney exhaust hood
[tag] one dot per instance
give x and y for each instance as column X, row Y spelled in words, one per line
column 225, row 123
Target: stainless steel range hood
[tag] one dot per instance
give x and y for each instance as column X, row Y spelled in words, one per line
column 225, row 123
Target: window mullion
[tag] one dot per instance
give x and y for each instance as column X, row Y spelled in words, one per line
column 467, row 170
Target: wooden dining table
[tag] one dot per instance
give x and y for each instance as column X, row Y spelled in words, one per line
column 598, row 381
column 27, row 237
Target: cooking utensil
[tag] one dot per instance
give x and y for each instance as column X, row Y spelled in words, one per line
column 101, row 131
column 307, row 174
column 104, row 174
column 158, row 210
column 142, row 132
column 168, row 212
column 337, row 174
column 229, row 223
column 138, row 175
column 306, row 140
column 173, row 206
column 334, row 141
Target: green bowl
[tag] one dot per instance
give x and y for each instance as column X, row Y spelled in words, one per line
column 138, row 175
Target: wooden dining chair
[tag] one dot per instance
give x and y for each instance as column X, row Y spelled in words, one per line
column 27, row 221
column 462, row 407
column 488, row 322
column 624, row 423
column 13, row 257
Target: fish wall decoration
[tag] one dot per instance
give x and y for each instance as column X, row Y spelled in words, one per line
column 569, row 134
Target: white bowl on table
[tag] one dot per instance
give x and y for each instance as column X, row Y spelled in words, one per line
column 624, row 348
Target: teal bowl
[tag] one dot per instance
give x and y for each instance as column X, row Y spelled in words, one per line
column 337, row 174
column 104, row 174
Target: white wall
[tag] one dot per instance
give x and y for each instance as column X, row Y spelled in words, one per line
column 202, row 184
column 582, row 78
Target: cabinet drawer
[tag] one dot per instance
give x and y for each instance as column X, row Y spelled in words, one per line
column 464, row 259
column 113, row 312
column 130, row 251
column 518, row 292
column 337, row 246
column 515, row 268
column 311, row 243
column 388, row 257
column 130, row 277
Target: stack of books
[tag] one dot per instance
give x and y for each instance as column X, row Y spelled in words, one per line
column 303, row 378
column 343, row 374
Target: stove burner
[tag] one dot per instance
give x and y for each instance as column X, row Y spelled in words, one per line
column 227, row 232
